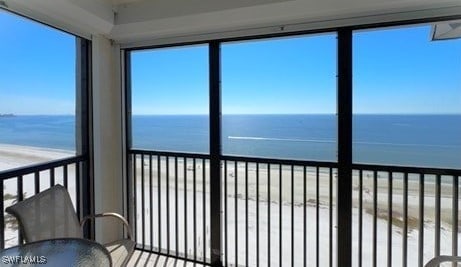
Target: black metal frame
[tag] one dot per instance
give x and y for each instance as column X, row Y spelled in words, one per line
column 215, row 152
column 84, row 130
column 344, row 164
column 344, row 102
column 128, row 141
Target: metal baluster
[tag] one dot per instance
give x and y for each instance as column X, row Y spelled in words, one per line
column 268, row 215
column 360, row 245
column 454, row 218
column 168, row 205
column 330, row 215
column 194, row 202
column 236, row 211
column 176, row 204
column 405, row 221
column 159, row 197
column 151, row 206
column 389, row 220
column 317, row 216
column 66, row 175
column 280, row 215
column 246, row 213
column 204, row 208
column 421, row 220
column 437, row 216
column 143, row 210
column 185, row 207
column 304, row 218
column 257, row 214
column 225, row 215
column 375, row 215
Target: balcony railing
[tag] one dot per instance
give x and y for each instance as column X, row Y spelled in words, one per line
column 283, row 212
column 23, row 182
column 412, row 214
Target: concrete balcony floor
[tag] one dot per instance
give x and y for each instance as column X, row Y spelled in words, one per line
column 142, row 258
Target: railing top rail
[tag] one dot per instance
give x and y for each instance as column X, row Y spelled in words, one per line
column 294, row 162
column 8, row 174
column 407, row 169
column 169, row 153
column 236, row 158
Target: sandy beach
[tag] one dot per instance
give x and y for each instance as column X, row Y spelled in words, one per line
column 237, row 181
column 15, row 156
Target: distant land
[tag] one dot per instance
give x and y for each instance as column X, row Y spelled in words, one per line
column 2, row 115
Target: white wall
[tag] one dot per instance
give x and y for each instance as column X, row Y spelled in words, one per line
column 129, row 28
column 108, row 145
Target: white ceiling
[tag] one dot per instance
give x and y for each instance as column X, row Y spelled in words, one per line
column 134, row 22
column 118, row 2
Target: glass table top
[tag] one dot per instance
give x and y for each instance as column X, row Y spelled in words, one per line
column 73, row 252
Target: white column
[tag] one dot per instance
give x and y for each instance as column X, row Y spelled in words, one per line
column 107, row 138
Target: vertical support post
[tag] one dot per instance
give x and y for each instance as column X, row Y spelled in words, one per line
column 108, row 153
column 344, row 102
column 129, row 177
column 83, row 129
column 215, row 153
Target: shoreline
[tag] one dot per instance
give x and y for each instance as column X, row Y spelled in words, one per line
column 14, row 156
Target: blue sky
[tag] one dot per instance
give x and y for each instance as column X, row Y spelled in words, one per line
column 402, row 71
column 396, row 70
column 37, row 68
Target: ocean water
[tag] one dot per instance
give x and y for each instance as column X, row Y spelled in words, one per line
column 410, row 140
column 57, row 132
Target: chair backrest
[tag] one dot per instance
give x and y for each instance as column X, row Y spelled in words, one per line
column 49, row 214
column 435, row 262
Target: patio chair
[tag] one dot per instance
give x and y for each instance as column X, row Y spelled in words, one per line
column 435, row 262
column 50, row 214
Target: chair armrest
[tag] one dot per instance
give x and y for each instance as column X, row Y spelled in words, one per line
column 442, row 258
column 108, row 214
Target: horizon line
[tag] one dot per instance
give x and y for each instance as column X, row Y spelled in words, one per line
column 205, row 114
